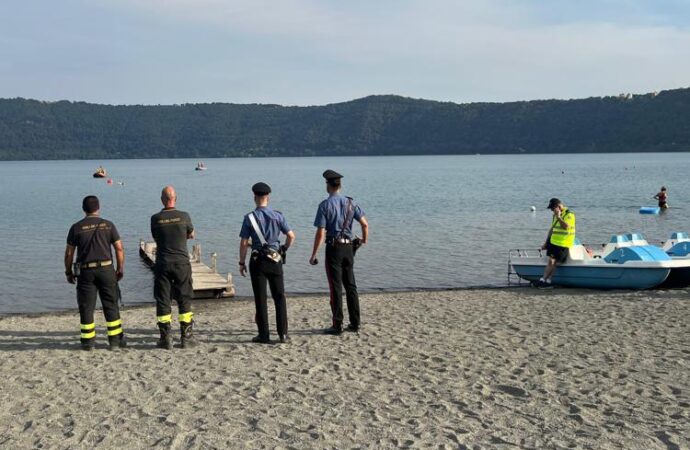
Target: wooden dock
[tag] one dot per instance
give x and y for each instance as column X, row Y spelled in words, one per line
column 206, row 281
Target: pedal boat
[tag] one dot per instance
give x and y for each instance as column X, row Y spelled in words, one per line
column 678, row 248
column 623, row 263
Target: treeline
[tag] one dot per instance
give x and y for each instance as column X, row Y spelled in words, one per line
column 376, row 125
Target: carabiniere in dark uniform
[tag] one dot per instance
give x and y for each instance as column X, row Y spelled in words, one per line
column 264, row 226
column 334, row 219
column 93, row 271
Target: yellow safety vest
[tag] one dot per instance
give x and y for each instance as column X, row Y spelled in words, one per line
column 559, row 235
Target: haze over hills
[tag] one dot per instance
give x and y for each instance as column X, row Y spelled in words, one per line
column 375, row 125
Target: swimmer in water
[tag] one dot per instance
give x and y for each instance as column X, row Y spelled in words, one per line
column 662, row 197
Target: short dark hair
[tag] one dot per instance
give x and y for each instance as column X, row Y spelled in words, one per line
column 90, row 204
column 333, row 182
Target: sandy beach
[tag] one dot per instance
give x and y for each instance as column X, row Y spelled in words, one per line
column 515, row 368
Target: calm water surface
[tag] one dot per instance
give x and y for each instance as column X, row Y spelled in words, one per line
column 436, row 221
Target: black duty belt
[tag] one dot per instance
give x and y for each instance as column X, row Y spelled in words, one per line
column 95, row 264
column 338, row 241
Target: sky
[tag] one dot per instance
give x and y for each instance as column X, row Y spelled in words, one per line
column 315, row 52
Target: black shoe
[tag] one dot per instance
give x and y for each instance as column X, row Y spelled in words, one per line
column 334, row 331
column 284, row 339
column 117, row 342
column 260, row 340
column 544, row 285
column 352, row 328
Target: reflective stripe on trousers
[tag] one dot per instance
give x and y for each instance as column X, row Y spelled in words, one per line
column 88, row 330
column 186, row 317
column 114, row 327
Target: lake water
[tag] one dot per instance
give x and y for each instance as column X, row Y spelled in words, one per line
column 436, row 221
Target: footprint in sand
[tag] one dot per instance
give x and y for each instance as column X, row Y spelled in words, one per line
column 666, row 439
column 512, row 390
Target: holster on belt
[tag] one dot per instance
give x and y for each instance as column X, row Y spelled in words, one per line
column 356, row 243
column 268, row 253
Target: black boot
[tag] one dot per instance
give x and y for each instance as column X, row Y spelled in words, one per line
column 117, row 342
column 187, row 334
column 335, row 330
column 165, row 340
column 87, row 344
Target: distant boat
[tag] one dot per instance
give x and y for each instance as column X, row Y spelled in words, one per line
column 100, row 173
column 200, row 166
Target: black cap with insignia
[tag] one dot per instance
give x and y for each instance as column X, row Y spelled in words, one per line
column 332, row 175
column 261, row 189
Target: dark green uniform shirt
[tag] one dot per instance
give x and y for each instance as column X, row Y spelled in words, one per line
column 97, row 249
column 170, row 229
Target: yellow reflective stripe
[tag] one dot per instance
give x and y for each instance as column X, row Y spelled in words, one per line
column 563, row 231
column 87, row 326
column 114, row 323
column 89, row 335
column 165, row 319
column 114, row 332
column 186, row 317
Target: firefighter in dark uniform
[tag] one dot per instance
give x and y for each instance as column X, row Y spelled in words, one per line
column 264, row 226
column 172, row 271
column 334, row 219
column 94, row 273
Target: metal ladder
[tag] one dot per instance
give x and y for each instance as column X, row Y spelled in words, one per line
column 513, row 278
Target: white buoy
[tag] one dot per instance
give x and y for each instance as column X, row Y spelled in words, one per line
column 533, row 208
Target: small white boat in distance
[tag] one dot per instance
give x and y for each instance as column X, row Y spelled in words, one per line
column 200, row 166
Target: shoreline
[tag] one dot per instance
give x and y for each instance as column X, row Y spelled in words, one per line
column 289, row 295
column 377, row 155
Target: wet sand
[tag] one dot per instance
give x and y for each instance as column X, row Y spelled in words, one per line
column 516, row 368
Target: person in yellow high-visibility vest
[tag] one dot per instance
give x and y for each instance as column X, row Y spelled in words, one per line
column 559, row 240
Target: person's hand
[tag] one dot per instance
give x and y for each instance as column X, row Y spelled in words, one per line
column 71, row 279
column 243, row 270
column 120, row 274
column 313, row 261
